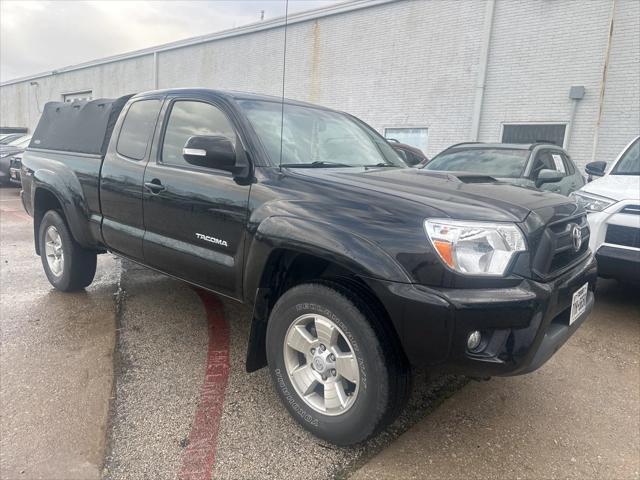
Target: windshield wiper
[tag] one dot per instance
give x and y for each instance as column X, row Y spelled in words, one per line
column 316, row 164
column 381, row 165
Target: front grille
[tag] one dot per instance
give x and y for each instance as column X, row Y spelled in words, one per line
column 556, row 251
column 626, row 236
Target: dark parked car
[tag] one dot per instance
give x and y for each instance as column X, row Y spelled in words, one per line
column 15, row 166
column 355, row 266
column 7, row 155
column 411, row 155
column 538, row 165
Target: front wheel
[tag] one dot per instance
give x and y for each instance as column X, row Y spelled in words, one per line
column 67, row 265
column 335, row 370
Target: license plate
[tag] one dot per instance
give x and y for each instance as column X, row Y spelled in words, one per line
column 578, row 303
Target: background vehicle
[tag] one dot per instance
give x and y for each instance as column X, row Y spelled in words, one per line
column 411, row 155
column 613, row 203
column 7, row 154
column 7, row 138
column 537, row 165
column 15, row 167
column 355, row 265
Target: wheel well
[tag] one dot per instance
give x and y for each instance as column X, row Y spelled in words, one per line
column 43, row 201
column 284, row 270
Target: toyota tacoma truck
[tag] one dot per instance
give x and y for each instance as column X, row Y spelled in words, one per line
column 356, row 267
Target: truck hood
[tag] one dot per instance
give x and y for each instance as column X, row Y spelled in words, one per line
column 615, row 187
column 458, row 195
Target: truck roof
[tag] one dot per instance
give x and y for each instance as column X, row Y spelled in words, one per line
column 230, row 94
column 86, row 126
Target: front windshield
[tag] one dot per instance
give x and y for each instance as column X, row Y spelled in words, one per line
column 317, row 137
column 495, row 162
column 629, row 164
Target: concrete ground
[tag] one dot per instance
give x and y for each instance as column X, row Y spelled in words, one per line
column 56, row 367
column 141, row 376
column 577, row 417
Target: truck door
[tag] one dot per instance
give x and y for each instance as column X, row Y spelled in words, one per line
column 121, row 177
column 194, row 217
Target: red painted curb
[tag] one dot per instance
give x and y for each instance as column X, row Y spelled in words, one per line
column 200, row 454
column 16, row 213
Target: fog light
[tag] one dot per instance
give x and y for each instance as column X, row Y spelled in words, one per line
column 473, row 340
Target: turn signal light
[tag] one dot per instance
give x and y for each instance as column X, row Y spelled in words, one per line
column 445, row 249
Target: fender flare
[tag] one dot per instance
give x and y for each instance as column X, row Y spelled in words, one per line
column 320, row 239
column 68, row 191
column 323, row 240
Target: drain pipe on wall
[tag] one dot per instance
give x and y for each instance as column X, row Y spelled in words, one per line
column 603, row 82
column 482, row 69
column 155, row 70
column 576, row 93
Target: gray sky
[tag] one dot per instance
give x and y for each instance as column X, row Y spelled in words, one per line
column 40, row 35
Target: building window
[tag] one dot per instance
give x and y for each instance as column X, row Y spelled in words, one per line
column 77, row 96
column 416, row 137
column 534, row 132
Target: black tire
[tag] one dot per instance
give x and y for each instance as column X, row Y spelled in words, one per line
column 384, row 384
column 79, row 266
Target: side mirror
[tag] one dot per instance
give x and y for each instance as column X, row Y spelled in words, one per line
column 595, row 169
column 547, row 175
column 211, row 152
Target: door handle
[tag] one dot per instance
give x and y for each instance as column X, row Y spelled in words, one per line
column 154, row 186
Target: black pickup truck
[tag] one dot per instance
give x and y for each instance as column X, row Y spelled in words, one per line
column 356, row 267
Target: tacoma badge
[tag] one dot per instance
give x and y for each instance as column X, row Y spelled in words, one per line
column 209, row 239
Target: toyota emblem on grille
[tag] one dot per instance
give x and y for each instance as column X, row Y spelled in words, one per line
column 576, row 237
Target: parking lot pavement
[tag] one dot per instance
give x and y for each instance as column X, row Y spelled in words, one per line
column 577, row 417
column 184, row 407
column 161, row 387
column 55, row 360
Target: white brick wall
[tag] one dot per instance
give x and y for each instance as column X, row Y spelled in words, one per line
column 621, row 112
column 538, row 50
column 410, row 63
column 18, row 106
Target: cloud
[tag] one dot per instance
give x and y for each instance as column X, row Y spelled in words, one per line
column 39, row 36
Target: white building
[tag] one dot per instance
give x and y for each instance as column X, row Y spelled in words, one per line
column 437, row 72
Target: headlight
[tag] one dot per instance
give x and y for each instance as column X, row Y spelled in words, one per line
column 475, row 248
column 592, row 203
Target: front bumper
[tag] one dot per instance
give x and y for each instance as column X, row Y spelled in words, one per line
column 615, row 260
column 618, row 262
column 522, row 326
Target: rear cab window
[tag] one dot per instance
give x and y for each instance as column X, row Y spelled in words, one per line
column 137, row 128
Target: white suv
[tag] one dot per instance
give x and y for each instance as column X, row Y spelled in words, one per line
column 613, row 203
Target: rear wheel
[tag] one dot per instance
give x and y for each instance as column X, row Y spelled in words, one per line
column 67, row 265
column 334, row 369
